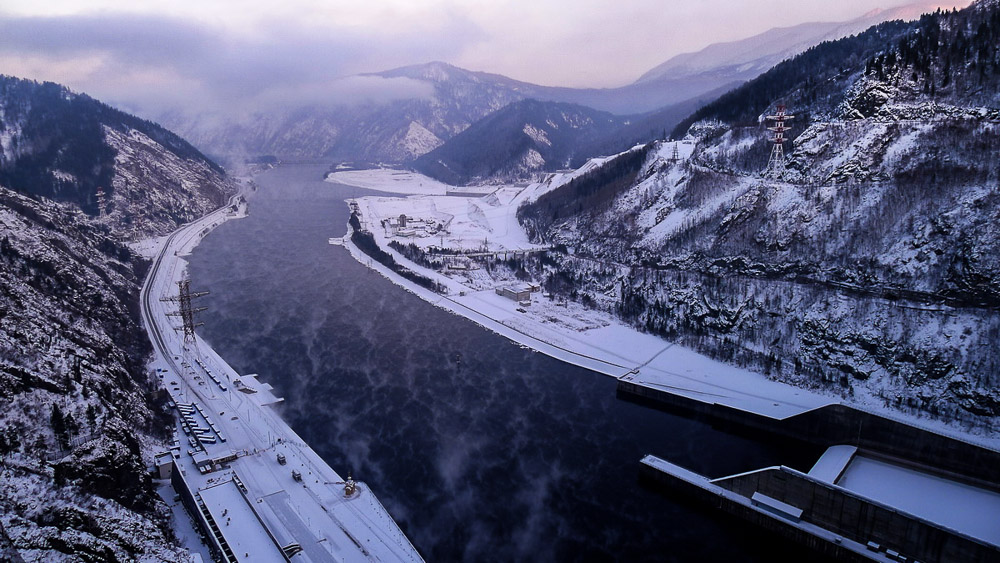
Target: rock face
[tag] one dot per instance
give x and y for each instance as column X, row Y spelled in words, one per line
column 868, row 263
column 76, row 410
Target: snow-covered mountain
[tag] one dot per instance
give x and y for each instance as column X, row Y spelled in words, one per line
column 748, row 58
column 521, row 139
column 391, row 131
column 869, row 262
column 77, row 411
column 66, row 146
column 401, row 129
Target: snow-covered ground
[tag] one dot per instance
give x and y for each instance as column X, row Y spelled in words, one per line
column 569, row 331
column 182, row 525
column 276, row 508
column 399, row 182
column 148, row 248
column 467, row 223
column 564, row 330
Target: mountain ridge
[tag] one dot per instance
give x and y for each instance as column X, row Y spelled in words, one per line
column 868, row 263
column 522, row 139
column 78, row 411
column 401, row 130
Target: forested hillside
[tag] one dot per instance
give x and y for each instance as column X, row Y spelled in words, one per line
column 64, row 146
column 867, row 263
column 525, row 137
column 77, row 415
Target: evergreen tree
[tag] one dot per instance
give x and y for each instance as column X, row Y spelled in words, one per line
column 58, row 422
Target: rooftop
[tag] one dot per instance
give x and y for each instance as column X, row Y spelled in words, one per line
column 239, row 524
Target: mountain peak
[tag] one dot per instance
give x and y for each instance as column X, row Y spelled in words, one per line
column 434, row 71
column 754, row 55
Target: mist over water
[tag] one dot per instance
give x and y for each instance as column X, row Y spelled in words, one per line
column 481, row 450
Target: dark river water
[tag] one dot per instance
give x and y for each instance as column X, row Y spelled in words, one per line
column 481, row 450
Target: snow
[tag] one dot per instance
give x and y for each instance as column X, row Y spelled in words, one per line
column 183, row 526
column 8, row 134
column 557, row 179
column 927, row 496
column 471, row 223
column 238, row 523
column 679, row 218
column 710, row 486
column 148, row 248
column 312, row 511
column 418, row 140
column 832, row 463
column 536, row 134
column 63, row 176
column 906, row 143
column 590, row 338
column 566, row 331
column 532, row 160
column 397, row 182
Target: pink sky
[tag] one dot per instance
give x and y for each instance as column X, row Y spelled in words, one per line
column 162, row 53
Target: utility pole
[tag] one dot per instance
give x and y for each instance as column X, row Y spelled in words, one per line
column 775, row 165
column 184, row 310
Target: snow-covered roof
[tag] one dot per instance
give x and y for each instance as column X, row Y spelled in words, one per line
column 239, row 524
column 927, row 496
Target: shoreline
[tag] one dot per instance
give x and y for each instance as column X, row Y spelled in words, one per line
column 648, row 371
column 239, row 450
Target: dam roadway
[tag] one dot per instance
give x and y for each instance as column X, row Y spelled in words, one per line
column 257, row 490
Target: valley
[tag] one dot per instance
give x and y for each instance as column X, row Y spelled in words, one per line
column 756, row 273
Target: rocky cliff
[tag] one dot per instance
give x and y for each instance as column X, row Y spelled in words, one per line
column 77, row 413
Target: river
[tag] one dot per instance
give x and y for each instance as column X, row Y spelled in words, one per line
column 480, row 449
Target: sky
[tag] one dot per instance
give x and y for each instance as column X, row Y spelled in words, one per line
column 150, row 56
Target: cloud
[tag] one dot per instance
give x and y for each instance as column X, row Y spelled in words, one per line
column 216, row 55
column 156, row 63
column 352, row 90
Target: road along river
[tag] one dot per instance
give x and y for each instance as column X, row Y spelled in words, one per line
column 480, row 449
column 245, row 463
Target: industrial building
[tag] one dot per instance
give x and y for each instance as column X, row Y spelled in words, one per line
column 520, row 292
column 883, row 490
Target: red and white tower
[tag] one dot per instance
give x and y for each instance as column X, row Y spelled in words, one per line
column 777, row 160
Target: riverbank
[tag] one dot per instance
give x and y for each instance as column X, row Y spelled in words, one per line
column 247, row 451
column 566, row 330
column 571, row 333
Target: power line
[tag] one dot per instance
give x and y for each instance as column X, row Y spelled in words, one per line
column 777, row 161
column 184, row 310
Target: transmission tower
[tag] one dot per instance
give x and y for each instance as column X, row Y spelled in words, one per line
column 184, row 310
column 676, row 156
column 777, row 161
column 102, row 203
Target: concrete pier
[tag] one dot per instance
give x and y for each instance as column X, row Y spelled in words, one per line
column 835, row 424
column 829, row 519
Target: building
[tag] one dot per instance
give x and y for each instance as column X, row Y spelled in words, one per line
column 520, row 292
column 164, row 464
